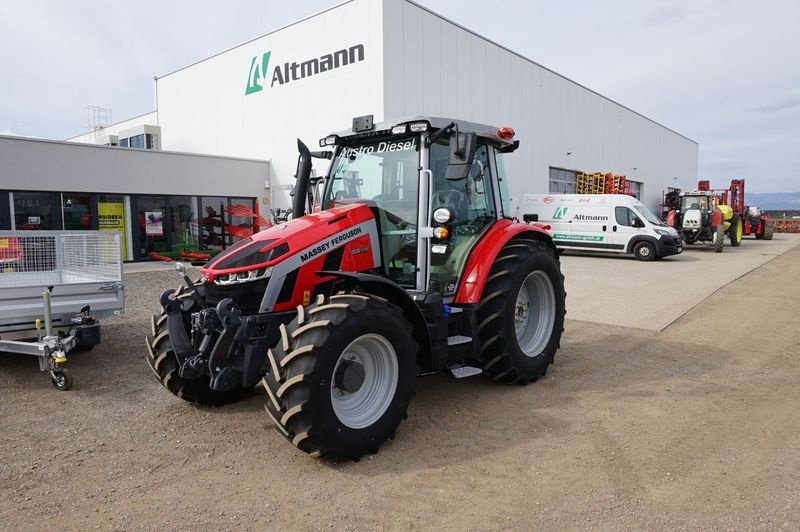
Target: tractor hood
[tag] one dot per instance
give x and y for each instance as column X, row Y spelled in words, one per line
column 298, row 242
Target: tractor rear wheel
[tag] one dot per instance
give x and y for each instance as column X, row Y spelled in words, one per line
column 769, row 231
column 736, row 230
column 161, row 359
column 521, row 313
column 719, row 238
column 342, row 375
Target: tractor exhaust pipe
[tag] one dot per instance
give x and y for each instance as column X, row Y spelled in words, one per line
column 300, row 192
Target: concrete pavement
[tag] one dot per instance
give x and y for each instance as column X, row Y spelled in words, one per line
column 619, row 290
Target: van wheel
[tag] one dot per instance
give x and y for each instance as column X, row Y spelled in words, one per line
column 644, row 251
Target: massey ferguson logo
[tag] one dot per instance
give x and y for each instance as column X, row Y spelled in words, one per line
column 259, row 75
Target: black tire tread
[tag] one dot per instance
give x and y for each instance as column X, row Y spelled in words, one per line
column 291, row 364
column 493, row 357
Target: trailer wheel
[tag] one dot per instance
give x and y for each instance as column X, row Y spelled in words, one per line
column 719, row 238
column 61, row 379
column 342, row 375
column 736, row 230
column 644, row 251
column 769, row 231
column 521, row 313
column 161, row 359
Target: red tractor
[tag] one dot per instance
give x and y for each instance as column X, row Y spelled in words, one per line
column 410, row 265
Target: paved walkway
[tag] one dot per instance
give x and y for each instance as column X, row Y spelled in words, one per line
column 651, row 295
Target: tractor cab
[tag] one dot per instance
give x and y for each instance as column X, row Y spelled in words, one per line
column 435, row 186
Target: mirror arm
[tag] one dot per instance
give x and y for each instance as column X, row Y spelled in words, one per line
column 439, row 134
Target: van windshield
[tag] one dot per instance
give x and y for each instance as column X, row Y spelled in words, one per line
column 645, row 213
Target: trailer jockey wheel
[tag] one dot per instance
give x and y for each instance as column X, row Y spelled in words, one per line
column 521, row 313
column 341, row 377
column 62, row 379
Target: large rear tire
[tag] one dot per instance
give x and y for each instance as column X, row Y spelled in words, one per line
column 342, row 375
column 521, row 313
column 161, row 359
column 736, row 230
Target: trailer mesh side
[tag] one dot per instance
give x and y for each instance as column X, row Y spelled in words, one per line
column 43, row 258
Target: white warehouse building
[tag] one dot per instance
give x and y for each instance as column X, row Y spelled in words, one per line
column 399, row 59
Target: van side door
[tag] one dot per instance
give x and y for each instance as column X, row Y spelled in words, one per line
column 622, row 227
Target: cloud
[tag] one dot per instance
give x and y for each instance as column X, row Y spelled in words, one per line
column 787, row 100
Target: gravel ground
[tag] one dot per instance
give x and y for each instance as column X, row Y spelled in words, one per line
column 692, row 427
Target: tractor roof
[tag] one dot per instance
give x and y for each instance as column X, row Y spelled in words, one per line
column 381, row 129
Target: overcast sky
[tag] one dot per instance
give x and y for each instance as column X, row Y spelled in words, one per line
column 725, row 73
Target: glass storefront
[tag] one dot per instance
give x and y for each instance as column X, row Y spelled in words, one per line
column 164, row 225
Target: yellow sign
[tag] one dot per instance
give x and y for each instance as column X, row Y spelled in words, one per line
column 3, row 243
column 111, row 217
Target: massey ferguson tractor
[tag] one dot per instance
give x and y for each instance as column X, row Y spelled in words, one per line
column 409, row 264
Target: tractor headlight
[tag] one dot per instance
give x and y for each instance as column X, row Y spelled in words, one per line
column 418, row 127
column 243, row 277
column 399, row 130
column 442, row 215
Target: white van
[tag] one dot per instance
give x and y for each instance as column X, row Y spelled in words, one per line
column 613, row 223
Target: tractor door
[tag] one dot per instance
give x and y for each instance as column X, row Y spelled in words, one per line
column 471, row 202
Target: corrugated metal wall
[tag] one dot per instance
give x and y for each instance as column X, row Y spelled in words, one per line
column 434, row 67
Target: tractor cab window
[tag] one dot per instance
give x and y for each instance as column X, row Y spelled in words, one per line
column 471, row 204
column 694, row 203
column 383, row 175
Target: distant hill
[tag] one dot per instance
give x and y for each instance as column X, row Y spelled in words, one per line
column 774, row 200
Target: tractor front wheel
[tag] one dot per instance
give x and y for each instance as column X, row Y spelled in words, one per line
column 521, row 313
column 769, row 230
column 719, row 238
column 341, row 377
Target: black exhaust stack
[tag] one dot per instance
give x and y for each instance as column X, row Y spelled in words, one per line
column 300, row 191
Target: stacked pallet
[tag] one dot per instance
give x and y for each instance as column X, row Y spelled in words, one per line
column 590, row 183
column 600, row 183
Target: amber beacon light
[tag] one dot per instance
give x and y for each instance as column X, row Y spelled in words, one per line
column 505, row 133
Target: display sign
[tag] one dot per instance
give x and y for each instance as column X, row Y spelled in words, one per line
column 154, row 223
column 111, row 217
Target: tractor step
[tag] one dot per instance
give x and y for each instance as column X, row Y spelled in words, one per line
column 460, row 371
column 458, row 340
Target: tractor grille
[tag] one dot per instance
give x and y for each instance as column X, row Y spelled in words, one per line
column 246, row 296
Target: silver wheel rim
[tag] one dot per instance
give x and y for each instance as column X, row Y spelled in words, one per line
column 364, row 381
column 535, row 313
column 644, row 251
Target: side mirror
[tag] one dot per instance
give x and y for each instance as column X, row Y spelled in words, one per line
column 636, row 222
column 462, row 153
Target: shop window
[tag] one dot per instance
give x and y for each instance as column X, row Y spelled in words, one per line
column 151, row 212
column 35, row 211
column 562, row 181
column 212, row 211
column 111, row 217
column 182, row 227
column 77, row 211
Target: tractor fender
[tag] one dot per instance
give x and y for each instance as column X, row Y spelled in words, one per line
column 483, row 255
column 391, row 291
column 716, row 219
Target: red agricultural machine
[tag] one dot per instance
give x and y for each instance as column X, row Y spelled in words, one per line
column 411, row 265
column 753, row 222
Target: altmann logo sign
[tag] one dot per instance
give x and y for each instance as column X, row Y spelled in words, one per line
column 560, row 213
column 260, row 77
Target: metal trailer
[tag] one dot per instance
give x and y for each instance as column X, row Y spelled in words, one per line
column 54, row 286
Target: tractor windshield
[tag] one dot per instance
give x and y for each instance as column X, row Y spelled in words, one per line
column 383, row 175
column 694, row 202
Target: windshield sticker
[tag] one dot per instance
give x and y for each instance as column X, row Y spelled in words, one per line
column 381, row 147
